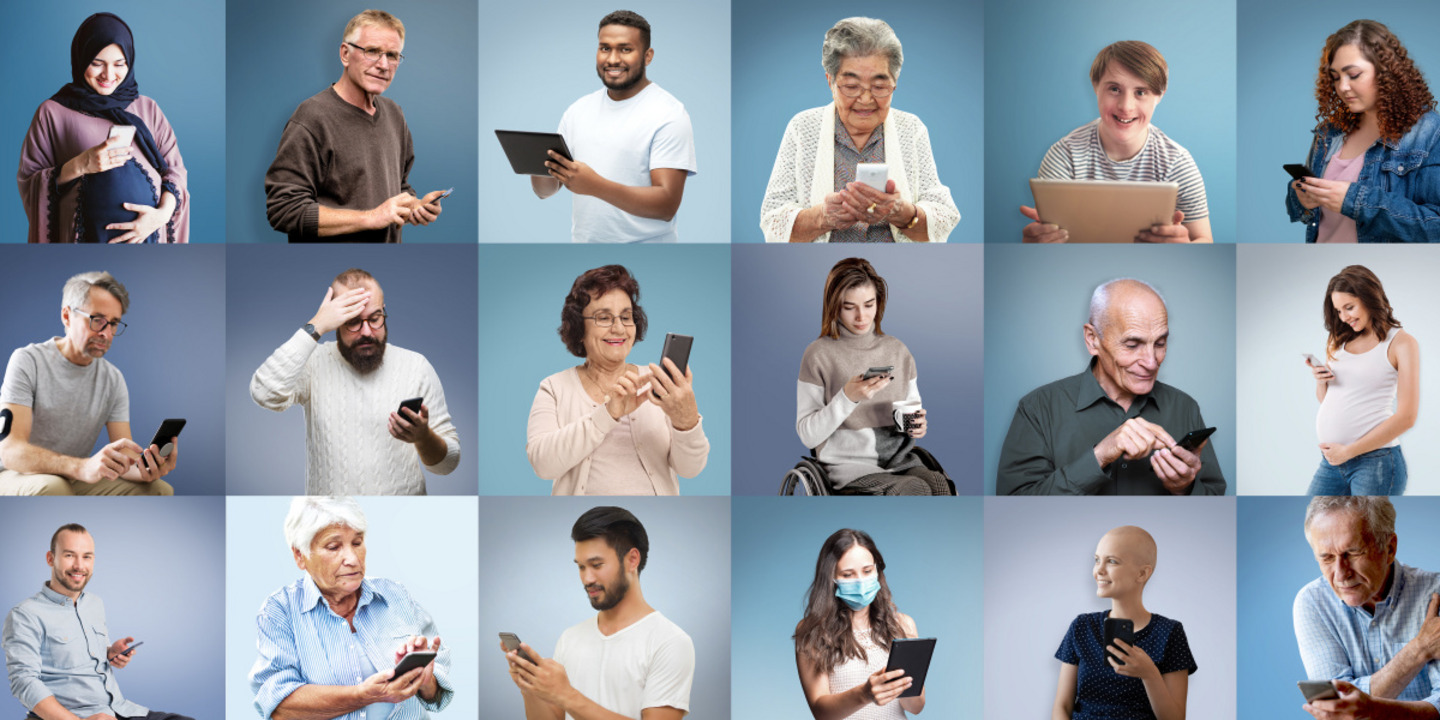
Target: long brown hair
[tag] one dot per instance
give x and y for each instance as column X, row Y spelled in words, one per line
column 1357, row 280
column 1402, row 95
column 824, row 636
column 847, row 275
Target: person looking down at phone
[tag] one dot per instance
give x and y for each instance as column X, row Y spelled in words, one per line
column 1368, row 623
column 607, row 426
column 1375, row 157
column 1370, row 362
column 628, row 661
column 813, row 194
column 57, row 650
column 342, row 171
column 1112, row 429
column 853, row 418
column 357, row 437
column 842, row 645
column 1144, row 677
column 330, row 642
column 100, row 162
column 62, row 392
column 1130, row 78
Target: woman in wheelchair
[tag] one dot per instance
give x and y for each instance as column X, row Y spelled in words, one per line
column 858, row 401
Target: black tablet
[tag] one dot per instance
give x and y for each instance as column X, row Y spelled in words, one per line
column 912, row 654
column 527, row 151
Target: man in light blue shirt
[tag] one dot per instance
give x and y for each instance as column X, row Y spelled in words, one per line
column 1367, row 623
column 57, row 650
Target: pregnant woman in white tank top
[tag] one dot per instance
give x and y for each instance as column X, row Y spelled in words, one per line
column 1368, row 389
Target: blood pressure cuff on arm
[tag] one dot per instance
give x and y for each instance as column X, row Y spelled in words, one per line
column 5, row 417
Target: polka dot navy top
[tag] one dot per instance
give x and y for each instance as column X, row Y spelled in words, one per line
column 1100, row 692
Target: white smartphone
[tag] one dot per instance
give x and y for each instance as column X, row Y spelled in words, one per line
column 126, row 133
column 873, row 174
column 1314, row 361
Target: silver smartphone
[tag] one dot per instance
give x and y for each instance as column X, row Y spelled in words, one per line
column 1318, row 690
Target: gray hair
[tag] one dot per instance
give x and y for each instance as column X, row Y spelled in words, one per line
column 1100, row 301
column 1375, row 511
column 860, row 37
column 309, row 515
column 77, row 289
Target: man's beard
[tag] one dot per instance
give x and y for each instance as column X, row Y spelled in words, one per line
column 624, row 82
column 366, row 362
column 609, row 599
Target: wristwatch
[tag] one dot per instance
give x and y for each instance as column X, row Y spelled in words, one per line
column 310, row 329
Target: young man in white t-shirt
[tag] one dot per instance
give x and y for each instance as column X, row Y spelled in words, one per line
column 632, row 144
column 628, row 661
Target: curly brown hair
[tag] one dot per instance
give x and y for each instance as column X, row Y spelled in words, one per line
column 1357, row 280
column 1402, row 95
column 588, row 288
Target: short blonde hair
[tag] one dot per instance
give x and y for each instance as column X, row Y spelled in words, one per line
column 373, row 18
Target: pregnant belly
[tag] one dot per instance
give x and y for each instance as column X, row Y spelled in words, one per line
column 102, row 200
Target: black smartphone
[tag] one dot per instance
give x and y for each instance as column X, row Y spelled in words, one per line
column 412, row 660
column 127, row 650
column 412, row 403
column 1299, row 172
column 511, row 643
column 677, row 348
column 1192, row 439
column 877, row 371
column 169, row 430
column 1118, row 629
column 1318, row 690
column 913, row 656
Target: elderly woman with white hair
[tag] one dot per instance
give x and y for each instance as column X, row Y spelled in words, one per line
column 814, row 196
column 329, row 642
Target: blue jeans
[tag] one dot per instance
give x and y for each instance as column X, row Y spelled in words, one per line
column 1378, row 472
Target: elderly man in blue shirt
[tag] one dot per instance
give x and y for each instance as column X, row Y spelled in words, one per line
column 1368, row 623
column 57, row 649
column 330, row 641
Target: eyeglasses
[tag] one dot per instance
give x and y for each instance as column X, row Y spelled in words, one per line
column 373, row 55
column 855, row 89
column 605, row 320
column 375, row 321
column 98, row 323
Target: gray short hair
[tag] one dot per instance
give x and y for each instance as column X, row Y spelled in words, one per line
column 1100, row 302
column 309, row 515
column 861, row 37
column 1375, row 511
column 77, row 289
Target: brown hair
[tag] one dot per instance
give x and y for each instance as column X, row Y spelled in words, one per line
column 1357, row 280
column 824, row 635
column 588, row 288
column 1140, row 58
column 1402, row 95
column 67, row 527
column 848, row 274
column 373, row 18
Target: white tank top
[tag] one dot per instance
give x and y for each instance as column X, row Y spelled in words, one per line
column 1360, row 397
column 855, row 671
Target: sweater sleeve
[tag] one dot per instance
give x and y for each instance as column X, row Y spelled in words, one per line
column 553, row 448
column 291, row 198
column 930, row 194
column 783, row 203
column 689, row 449
column 440, row 421
column 282, row 380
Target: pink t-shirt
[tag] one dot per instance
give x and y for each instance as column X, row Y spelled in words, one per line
column 1335, row 227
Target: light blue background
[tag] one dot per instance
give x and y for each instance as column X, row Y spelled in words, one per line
column 1279, row 296
column 179, row 57
column 276, row 290
column 934, row 308
column 283, row 52
column 425, row 544
column 534, row 591
column 1039, row 556
column 684, row 290
column 157, row 570
column 778, row 74
column 172, row 353
column 540, row 57
column 1275, row 564
column 1037, row 299
column 931, row 573
column 1037, row 78
column 1280, row 44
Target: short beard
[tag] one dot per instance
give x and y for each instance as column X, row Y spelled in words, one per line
column 623, row 84
column 610, row 599
column 364, row 364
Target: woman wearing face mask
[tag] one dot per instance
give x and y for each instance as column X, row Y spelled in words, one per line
column 79, row 181
column 843, row 643
column 1144, row 681
column 1376, row 152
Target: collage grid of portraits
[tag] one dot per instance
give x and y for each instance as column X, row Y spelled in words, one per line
column 476, row 291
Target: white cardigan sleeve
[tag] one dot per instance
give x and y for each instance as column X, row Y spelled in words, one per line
column 784, row 194
column 929, row 193
column 555, row 448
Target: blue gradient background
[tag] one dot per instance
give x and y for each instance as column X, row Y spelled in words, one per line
column 276, row 290
column 177, row 48
column 1279, row 47
column 931, row 573
column 684, row 290
column 172, row 353
column 425, row 544
column 156, row 568
column 935, row 296
column 778, row 74
column 1039, row 556
column 1275, row 564
column 532, row 588
column 1037, row 77
column 283, row 52
column 540, row 57
column 1036, row 302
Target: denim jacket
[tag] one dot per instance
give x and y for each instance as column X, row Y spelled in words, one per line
column 1397, row 196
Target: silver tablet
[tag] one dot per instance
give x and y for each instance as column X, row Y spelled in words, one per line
column 1104, row 211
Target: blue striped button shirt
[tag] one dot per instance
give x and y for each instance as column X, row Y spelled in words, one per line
column 1341, row 642
column 303, row 642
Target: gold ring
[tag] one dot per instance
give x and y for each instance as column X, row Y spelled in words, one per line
column 870, row 210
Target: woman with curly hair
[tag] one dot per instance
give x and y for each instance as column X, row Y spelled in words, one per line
column 1376, row 153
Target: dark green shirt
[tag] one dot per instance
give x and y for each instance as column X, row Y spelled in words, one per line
column 1050, row 449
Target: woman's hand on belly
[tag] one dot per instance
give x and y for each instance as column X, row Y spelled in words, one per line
column 147, row 220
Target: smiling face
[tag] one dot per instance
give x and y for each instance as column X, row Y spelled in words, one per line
column 609, row 346
column 1354, row 79
column 78, row 334
column 1354, row 565
column 1130, row 345
column 861, row 115
column 71, row 562
column 1124, row 561
column 621, row 59
column 1351, row 311
column 603, row 573
column 857, row 309
column 107, row 70
column 372, row 78
column 1126, row 105
column 336, row 562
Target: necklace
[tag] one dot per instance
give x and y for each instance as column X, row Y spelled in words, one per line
column 589, row 374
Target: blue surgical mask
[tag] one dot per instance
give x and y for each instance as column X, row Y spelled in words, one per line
column 858, row 594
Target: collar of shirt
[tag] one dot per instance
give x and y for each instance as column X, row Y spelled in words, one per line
column 49, row 593
column 1090, row 393
column 311, row 599
column 843, row 139
column 1392, row 598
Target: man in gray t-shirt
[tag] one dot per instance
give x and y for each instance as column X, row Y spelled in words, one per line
column 58, row 394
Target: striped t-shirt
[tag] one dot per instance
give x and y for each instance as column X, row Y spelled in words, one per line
column 1079, row 156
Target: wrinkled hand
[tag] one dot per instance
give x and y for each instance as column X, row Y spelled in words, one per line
column 1172, row 233
column 882, row 687
column 1328, row 194
column 1336, row 453
column 116, row 654
column 860, row 389
column 623, row 397
column 394, row 211
column 871, row 205
column 426, row 210
column 336, row 310
column 1428, row 639
column 152, row 467
column 675, row 397
column 836, row 215
column 1176, row 467
column 1306, row 200
column 110, row 462
column 1137, row 664
column 147, row 221
column 1351, row 705
column 381, row 688
column 427, row 673
column 410, row 426
column 1322, row 373
column 1038, row 232
column 545, row 679
column 106, row 156
column 580, row 178
column 1135, row 438
column 918, row 426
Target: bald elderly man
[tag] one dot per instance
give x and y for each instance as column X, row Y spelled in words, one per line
column 1112, row 429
